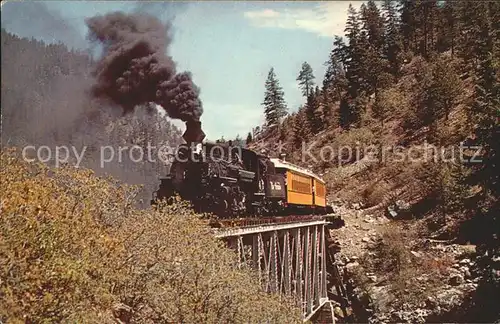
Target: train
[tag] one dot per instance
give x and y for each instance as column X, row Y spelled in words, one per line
column 234, row 182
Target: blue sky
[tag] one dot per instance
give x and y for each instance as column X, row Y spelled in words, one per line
column 228, row 46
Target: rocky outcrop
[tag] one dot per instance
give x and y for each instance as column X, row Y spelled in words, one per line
column 441, row 290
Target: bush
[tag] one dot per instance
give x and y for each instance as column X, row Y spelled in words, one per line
column 393, row 252
column 72, row 248
column 398, row 260
column 389, row 103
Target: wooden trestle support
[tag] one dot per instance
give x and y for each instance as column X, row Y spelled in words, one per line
column 290, row 259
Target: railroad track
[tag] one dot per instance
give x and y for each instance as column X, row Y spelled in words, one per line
column 258, row 221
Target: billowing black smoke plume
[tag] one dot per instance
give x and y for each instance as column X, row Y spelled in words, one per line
column 136, row 70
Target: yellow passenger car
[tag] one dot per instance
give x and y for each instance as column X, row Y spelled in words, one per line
column 304, row 188
column 319, row 192
column 299, row 188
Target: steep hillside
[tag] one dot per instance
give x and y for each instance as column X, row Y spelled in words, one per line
column 413, row 239
column 404, row 129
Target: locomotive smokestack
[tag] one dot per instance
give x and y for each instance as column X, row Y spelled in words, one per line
column 193, row 133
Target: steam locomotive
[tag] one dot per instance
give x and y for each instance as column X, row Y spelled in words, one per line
column 232, row 181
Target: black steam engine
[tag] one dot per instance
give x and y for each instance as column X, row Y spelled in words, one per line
column 232, row 181
column 225, row 180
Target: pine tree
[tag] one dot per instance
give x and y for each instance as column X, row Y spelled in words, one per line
column 274, row 103
column 340, row 51
column 320, row 111
column 429, row 9
column 347, row 112
column 408, row 24
column 352, row 104
column 380, row 108
column 485, row 109
column 447, row 85
column 373, row 24
column 328, row 116
column 249, row 138
column 447, row 30
column 334, row 81
column 283, row 130
column 313, row 112
column 256, row 131
column 454, row 189
column 306, row 79
column 441, row 88
column 351, row 111
column 300, row 129
column 354, row 68
column 445, row 185
column 468, row 15
column 366, row 56
column 393, row 44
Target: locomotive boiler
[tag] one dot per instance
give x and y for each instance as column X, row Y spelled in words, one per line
column 231, row 181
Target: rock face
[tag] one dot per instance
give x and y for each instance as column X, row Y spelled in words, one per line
column 445, row 299
column 443, row 277
column 433, row 307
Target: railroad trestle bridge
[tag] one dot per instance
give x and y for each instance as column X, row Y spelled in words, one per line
column 291, row 258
